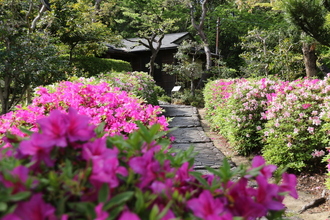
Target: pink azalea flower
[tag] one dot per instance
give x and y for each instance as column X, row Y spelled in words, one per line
column 100, row 214
column 21, row 174
column 243, row 203
column 11, row 217
column 267, row 195
column 34, row 209
column 36, row 148
column 289, row 185
column 169, row 214
column 54, row 127
column 267, row 171
column 105, row 170
column 206, row 206
column 162, row 188
column 306, row 106
column 146, row 166
column 98, row 149
column 127, row 215
column 79, row 128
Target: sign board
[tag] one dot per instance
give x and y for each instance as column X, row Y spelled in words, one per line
column 176, row 88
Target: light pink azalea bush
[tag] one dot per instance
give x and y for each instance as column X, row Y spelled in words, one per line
column 65, row 171
column 325, row 117
column 293, row 132
column 101, row 102
column 291, row 118
column 237, row 112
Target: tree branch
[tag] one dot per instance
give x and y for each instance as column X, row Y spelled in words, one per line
column 34, row 22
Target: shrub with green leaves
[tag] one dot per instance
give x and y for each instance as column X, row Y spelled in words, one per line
column 293, row 131
column 67, row 170
column 94, row 65
column 138, row 84
column 216, row 94
column 239, row 115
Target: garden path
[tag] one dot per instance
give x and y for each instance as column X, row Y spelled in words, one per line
column 192, row 129
column 190, row 132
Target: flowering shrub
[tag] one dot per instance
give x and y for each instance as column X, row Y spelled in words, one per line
column 245, row 106
column 289, row 121
column 101, row 102
column 239, row 112
column 139, row 84
column 325, row 116
column 294, row 126
column 216, row 94
column 65, row 171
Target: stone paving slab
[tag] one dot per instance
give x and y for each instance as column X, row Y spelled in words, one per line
column 185, row 122
column 189, row 132
column 189, row 135
column 179, row 111
column 207, row 154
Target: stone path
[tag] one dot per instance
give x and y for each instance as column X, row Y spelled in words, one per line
column 190, row 132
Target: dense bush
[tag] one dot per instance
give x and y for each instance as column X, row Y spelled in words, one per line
column 238, row 113
column 216, row 94
column 139, row 84
column 186, row 98
column 103, row 103
column 65, row 171
column 294, row 126
column 285, row 119
column 94, row 65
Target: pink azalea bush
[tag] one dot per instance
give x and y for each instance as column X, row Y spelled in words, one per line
column 216, row 95
column 116, row 109
column 238, row 113
column 325, row 117
column 66, row 170
column 139, row 84
column 288, row 121
column 294, row 124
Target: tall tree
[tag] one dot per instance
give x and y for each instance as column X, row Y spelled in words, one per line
column 188, row 66
column 151, row 20
column 198, row 23
column 312, row 17
column 78, row 25
column 26, row 58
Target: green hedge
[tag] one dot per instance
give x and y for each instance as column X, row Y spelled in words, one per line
column 95, row 65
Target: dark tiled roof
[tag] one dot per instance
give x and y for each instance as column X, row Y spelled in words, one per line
column 169, row 41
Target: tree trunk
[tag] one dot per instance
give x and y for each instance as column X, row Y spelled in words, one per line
column 192, row 87
column 200, row 30
column 152, row 63
column 309, row 59
column 5, row 93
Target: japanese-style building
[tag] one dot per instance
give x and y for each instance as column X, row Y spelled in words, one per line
column 139, row 56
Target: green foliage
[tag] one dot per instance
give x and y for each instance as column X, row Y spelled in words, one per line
column 186, row 98
column 94, row 66
column 78, row 27
column 164, row 98
column 272, row 52
column 310, row 16
column 188, row 67
column 294, row 127
column 139, row 84
column 27, row 59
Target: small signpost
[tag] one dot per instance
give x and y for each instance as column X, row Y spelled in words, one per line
column 175, row 89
